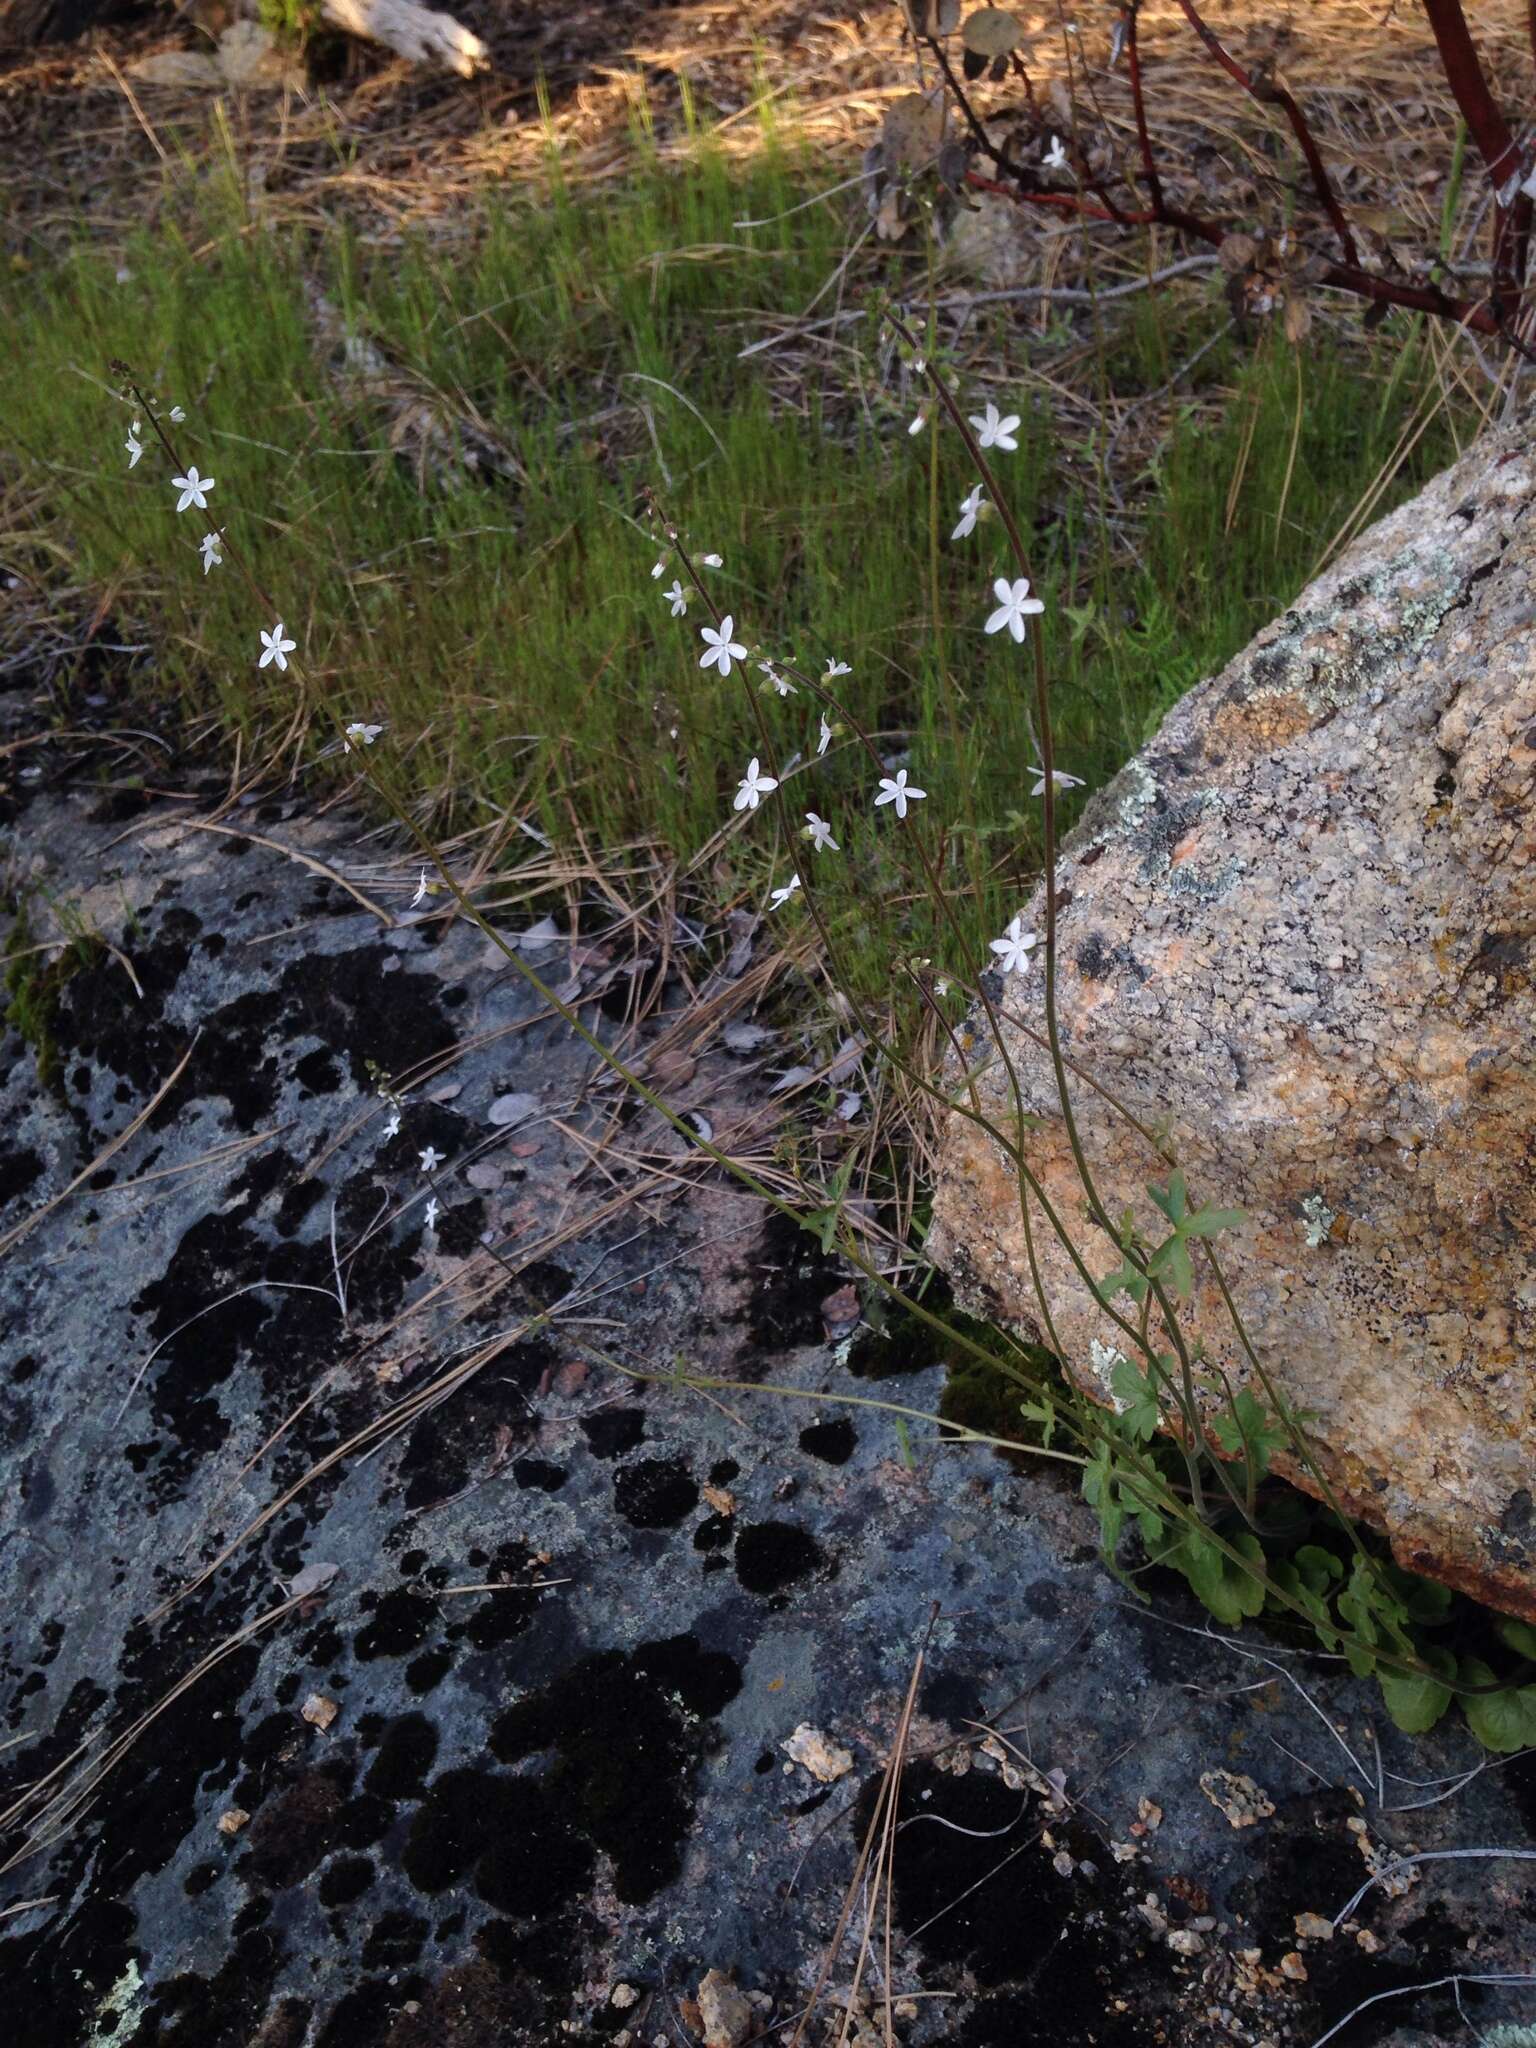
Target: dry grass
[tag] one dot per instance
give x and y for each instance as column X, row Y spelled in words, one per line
column 393, row 148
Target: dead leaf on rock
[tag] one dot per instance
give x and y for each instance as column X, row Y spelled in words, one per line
column 313, row 1579
column 232, row 1820
column 508, row 1110
column 840, row 1311
column 913, row 131
column 320, row 1711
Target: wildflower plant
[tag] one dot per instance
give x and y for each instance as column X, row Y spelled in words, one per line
column 1174, row 1453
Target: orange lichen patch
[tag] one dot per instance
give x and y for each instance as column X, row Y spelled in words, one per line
column 1269, row 718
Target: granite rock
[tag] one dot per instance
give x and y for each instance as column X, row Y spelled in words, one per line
column 1298, row 928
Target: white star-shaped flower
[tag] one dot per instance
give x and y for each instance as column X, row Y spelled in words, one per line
column 1014, row 606
column 1055, row 158
column 274, row 647
column 392, row 1124
column 677, row 597
column 421, row 889
column 360, row 735
column 836, row 669
column 720, row 648
column 898, row 791
column 711, row 561
column 821, row 834
column 209, row 544
column 1014, row 948
column 133, row 444
column 993, row 431
column 754, row 787
column 194, row 490
column 780, row 683
column 970, row 506
column 823, row 739
column 431, row 1158
column 780, row 897
column 1058, row 775
column 177, row 414
column 431, row 1213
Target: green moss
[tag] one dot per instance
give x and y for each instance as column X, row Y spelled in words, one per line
column 987, row 1395
column 34, row 981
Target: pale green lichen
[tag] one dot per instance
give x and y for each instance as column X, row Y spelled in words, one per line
column 1320, row 1220
column 1141, row 795
column 119, row 2013
column 1103, row 1358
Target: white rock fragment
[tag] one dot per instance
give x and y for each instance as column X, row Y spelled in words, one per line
column 726, row 2019
column 826, row 1760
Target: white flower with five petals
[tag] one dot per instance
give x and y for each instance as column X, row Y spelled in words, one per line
column 274, row 647
column 721, row 649
column 993, row 430
column 1014, row 948
column 194, row 490
column 360, row 735
column 821, row 834
column 754, row 786
column 1055, row 158
column 134, row 445
column 431, row 1158
column 898, row 791
column 1014, row 605
column 780, row 897
column 210, row 545
column 823, row 739
column 677, row 597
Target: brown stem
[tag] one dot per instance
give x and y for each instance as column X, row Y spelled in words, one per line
column 1143, row 133
column 1268, row 94
column 1490, row 131
column 1470, row 313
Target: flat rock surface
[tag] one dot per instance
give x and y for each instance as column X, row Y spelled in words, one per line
column 381, row 1668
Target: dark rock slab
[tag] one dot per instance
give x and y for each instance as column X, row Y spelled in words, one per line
column 520, row 1743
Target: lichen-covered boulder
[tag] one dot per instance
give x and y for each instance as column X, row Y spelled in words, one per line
column 1301, row 926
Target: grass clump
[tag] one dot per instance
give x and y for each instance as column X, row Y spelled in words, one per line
column 34, row 979
column 435, row 459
